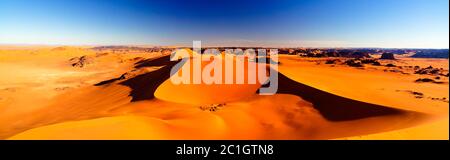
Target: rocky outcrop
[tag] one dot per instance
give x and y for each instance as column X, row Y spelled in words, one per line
column 427, row 80
column 387, row 56
column 354, row 63
column 81, row 61
column 332, row 61
column 428, row 70
column 390, row 65
column 360, row 55
column 371, row 61
column 431, row 71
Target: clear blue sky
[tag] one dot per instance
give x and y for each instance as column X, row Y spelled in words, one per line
column 310, row 23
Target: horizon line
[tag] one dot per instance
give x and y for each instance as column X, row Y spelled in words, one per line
column 203, row 46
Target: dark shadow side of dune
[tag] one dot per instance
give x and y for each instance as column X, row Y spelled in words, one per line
column 332, row 107
column 144, row 86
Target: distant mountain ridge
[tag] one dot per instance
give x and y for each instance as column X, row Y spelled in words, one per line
column 432, row 53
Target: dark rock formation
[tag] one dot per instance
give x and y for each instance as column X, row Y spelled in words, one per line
column 376, row 63
column 81, row 62
column 360, row 55
column 427, row 80
column 390, row 65
column 429, row 70
column 371, row 61
column 354, row 63
column 332, row 61
column 387, row 56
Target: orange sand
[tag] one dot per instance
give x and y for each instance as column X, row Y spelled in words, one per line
column 204, row 93
column 75, row 108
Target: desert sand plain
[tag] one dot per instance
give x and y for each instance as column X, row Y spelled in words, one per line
column 78, row 93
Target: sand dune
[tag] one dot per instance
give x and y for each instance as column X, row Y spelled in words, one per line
column 137, row 101
column 203, row 93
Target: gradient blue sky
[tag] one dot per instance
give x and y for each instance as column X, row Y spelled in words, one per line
column 308, row 23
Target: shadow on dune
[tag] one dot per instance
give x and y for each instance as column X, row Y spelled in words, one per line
column 144, row 86
column 160, row 61
column 333, row 107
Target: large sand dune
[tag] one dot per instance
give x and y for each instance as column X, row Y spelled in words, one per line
column 117, row 96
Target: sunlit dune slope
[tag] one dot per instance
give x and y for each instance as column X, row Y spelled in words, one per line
column 207, row 90
column 370, row 84
column 276, row 117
